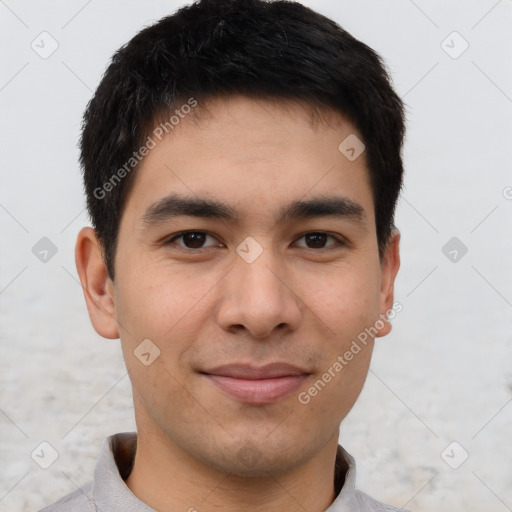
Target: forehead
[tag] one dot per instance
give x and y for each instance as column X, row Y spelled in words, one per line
column 257, row 155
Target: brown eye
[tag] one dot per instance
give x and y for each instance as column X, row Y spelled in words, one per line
column 192, row 239
column 318, row 240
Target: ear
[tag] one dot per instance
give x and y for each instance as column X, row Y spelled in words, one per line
column 390, row 264
column 97, row 286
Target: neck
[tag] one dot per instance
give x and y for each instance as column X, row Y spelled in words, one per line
column 166, row 478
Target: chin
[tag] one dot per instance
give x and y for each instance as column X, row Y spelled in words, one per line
column 255, row 459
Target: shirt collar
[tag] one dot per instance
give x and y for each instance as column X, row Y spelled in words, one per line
column 115, row 462
column 110, row 493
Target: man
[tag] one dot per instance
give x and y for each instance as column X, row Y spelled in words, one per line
column 242, row 163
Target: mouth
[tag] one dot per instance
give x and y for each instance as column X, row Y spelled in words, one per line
column 257, row 385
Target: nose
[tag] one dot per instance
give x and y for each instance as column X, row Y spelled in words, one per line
column 258, row 298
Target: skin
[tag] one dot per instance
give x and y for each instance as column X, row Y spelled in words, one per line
column 295, row 303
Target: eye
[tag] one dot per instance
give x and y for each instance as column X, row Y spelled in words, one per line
column 318, row 240
column 196, row 240
column 192, row 240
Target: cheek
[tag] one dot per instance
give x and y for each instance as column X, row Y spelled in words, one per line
column 165, row 311
column 167, row 307
column 333, row 392
column 154, row 301
column 346, row 301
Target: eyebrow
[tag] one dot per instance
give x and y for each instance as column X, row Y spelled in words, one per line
column 176, row 205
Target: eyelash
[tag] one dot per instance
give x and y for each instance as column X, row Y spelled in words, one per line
column 338, row 241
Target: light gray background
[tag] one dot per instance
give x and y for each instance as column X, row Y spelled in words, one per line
column 443, row 374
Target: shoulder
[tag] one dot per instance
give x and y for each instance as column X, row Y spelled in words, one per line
column 78, row 501
column 368, row 504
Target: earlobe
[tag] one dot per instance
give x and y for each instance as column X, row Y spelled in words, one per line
column 97, row 286
column 389, row 268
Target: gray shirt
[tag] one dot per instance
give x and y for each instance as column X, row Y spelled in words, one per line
column 109, row 493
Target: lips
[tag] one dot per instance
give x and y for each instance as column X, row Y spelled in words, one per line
column 257, row 385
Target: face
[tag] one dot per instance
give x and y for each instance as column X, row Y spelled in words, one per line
column 247, row 255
